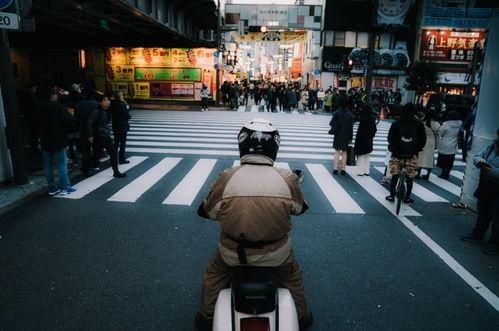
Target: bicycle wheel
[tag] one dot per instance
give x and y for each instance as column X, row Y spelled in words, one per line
column 400, row 193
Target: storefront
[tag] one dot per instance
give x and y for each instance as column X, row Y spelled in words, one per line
column 175, row 74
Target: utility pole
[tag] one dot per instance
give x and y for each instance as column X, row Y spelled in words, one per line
column 13, row 131
column 219, row 40
column 370, row 55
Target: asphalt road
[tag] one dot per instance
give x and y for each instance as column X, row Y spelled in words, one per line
column 130, row 253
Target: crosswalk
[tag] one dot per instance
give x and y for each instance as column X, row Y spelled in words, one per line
column 180, row 154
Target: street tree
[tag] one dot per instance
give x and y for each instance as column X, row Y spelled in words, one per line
column 422, row 78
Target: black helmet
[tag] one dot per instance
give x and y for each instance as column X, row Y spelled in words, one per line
column 259, row 136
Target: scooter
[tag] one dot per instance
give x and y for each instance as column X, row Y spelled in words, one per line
column 255, row 303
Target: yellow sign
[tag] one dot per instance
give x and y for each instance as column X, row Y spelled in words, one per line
column 357, row 82
column 120, row 72
column 120, row 86
column 141, row 91
column 273, row 36
column 116, row 55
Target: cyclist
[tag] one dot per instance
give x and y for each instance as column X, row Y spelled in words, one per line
column 252, row 204
column 406, row 139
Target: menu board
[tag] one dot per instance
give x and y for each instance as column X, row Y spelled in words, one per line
column 120, row 72
column 141, row 91
column 186, row 74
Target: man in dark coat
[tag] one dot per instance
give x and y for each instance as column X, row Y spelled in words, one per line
column 120, row 117
column 55, row 121
column 83, row 110
column 342, row 126
column 99, row 128
column 364, row 140
column 406, row 138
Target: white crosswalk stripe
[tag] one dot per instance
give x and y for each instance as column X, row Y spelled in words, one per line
column 187, row 190
column 139, row 186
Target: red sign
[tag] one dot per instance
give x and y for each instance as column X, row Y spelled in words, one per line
column 450, row 46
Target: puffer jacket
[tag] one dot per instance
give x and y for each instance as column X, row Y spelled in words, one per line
column 254, row 201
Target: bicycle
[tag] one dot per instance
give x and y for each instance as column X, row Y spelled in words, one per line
column 401, row 188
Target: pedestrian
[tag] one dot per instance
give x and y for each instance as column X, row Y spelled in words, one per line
column 487, row 194
column 55, row 122
column 328, row 101
column 120, row 116
column 467, row 129
column 426, row 158
column 342, row 127
column 258, row 235
column 204, row 98
column 99, row 124
column 83, row 110
column 292, row 99
column 447, row 143
column 406, row 138
column 364, row 140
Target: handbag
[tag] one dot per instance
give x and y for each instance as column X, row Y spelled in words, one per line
column 350, row 156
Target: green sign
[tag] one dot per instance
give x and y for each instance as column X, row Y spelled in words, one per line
column 177, row 74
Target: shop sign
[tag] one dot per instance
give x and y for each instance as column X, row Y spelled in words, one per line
column 141, row 91
column 182, row 89
column 176, row 74
column 121, row 86
column 388, row 83
column 450, row 46
column 116, row 55
column 453, row 78
column 328, row 66
column 282, row 37
column 120, row 72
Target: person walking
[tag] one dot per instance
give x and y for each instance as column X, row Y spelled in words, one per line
column 342, row 126
column 99, row 128
column 364, row 140
column 426, row 158
column 447, row 144
column 83, row 110
column 487, row 194
column 120, row 117
column 406, row 138
column 55, row 122
column 292, row 99
column 204, row 98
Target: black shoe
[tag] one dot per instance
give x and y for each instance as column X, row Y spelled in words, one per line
column 491, row 249
column 408, row 201
column 202, row 323
column 426, row 177
column 124, row 162
column 343, row 172
column 306, row 322
column 470, row 238
column 335, row 172
column 119, row 175
column 390, row 198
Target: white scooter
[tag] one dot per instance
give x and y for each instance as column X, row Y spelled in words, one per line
column 255, row 303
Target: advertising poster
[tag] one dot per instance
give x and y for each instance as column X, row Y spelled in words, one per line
column 450, row 46
column 121, row 86
column 161, row 73
column 141, row 91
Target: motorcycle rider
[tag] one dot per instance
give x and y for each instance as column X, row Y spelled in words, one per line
column 252, row 204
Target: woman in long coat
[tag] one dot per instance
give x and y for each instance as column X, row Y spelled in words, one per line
column 426, row 158
column 342, row 124
column 364, row 140
column 447, row 144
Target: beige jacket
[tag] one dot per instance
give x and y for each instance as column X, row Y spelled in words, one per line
column 255, row 199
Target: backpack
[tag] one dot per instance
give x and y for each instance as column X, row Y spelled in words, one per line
column 408, row 140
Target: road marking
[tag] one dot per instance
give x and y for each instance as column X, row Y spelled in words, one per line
column 458, row 174
column 378, row 192
column 241, row 109
column 133, row 191
column 446, row 185
column 254, row 109
column 186, row 191
column 336, row 195
column 471, row 280
column 92, row 183
column 420, row 191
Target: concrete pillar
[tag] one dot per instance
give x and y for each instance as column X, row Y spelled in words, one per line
column 487, row 112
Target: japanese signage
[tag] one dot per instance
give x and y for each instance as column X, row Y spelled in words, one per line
column 450, row 46
column 159, row 73
column 168, row 74
column 389, row 83
column 273, row 36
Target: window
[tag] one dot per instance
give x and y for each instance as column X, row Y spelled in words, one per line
column 339, row 38
column 350, row 39
column 328, row 38
column 362, row 39
column 385, row 41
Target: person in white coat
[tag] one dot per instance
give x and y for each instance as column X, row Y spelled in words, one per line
column 447, row 144
column 426, row 158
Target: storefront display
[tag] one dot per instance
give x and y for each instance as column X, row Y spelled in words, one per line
column 161, row 73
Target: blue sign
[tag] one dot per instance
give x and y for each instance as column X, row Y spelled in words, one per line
column 216, row 54
column 5, row 3
column 317, row 71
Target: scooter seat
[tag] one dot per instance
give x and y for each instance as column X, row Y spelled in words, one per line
column 254, row 289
